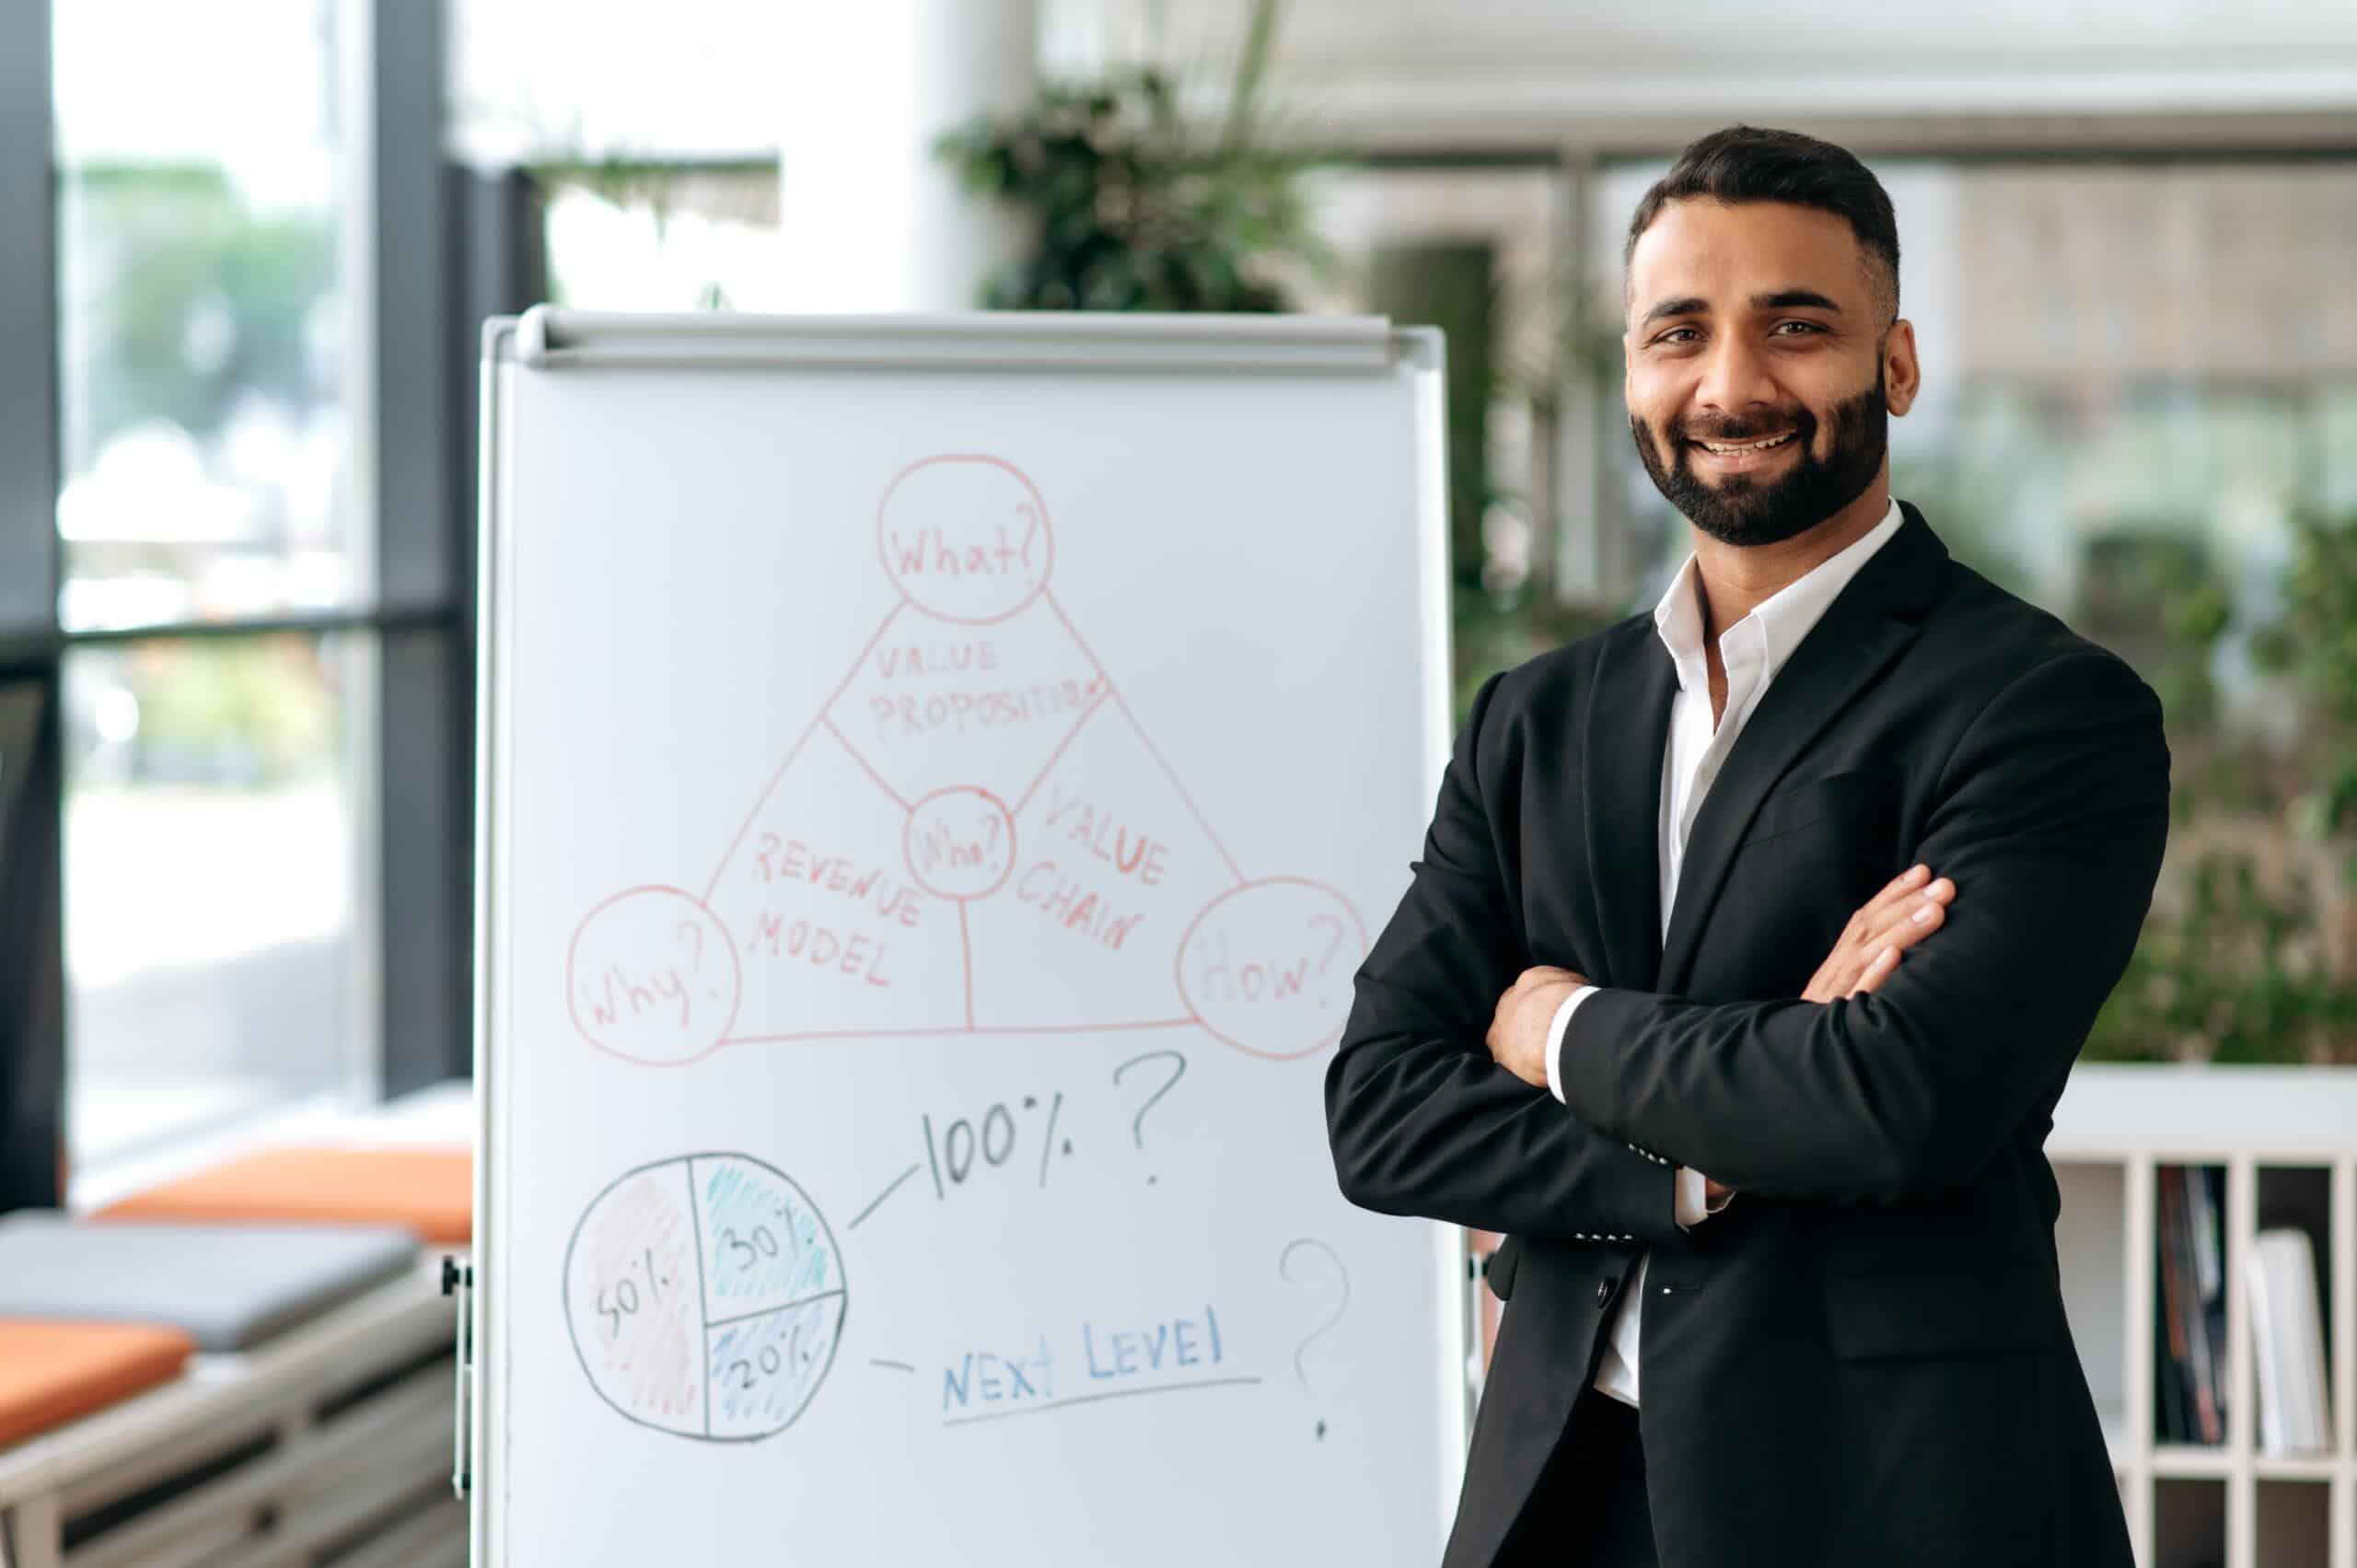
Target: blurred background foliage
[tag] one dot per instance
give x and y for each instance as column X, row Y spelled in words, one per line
column 1132, row 208
column 245, row 711
column 204, row 339
column 2247, row 954
column 207, row 297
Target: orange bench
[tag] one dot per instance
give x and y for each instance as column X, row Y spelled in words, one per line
column 50, row 1372
column 429, row 1193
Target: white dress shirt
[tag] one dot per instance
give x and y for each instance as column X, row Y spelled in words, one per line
column 1753, row 650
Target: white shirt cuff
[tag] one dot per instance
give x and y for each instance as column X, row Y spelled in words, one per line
column 1555, row 1037
column 1692, row 1204
column 1692, row 1196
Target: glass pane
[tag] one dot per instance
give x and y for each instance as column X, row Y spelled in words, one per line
column 664, row 236
column 211, row 864
column 203, row 339
column 1475, row 253
column 539, row 81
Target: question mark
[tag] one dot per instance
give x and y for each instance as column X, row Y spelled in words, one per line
column 1030, row 514
column 1337, row 925
column 1178, row 1071
column 1327, row 1001
column 1342, row 1276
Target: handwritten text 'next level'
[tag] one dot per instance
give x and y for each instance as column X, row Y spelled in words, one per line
column 1100, row 1363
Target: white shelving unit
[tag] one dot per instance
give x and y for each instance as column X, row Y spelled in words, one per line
column 2287, row 1140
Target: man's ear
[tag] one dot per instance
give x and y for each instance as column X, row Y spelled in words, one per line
column 1902, row 373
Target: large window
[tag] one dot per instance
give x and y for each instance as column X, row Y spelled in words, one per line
column 211, row 852
column 217, row 837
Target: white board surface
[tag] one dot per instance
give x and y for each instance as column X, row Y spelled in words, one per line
column 938, row 777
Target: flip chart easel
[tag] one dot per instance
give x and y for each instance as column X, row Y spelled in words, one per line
column 937, row 776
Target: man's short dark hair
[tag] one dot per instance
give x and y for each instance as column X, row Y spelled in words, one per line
column 1744, row 163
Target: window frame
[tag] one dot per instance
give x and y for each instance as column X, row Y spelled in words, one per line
column 411, row 726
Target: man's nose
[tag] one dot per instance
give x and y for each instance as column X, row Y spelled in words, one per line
column 1735, row 381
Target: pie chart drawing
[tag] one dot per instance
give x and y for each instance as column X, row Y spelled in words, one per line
column 705, row 1297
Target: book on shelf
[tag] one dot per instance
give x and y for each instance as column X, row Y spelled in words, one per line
column 2205, row 1200
column 2287, row 1331
column 2169, row 1349
column 2189, row 1342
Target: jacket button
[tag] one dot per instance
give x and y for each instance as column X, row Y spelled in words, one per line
column 1603, row 1292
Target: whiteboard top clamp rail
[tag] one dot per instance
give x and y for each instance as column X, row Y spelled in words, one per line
column 546, row 338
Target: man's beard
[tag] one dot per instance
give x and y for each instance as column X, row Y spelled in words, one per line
column 1745, row 512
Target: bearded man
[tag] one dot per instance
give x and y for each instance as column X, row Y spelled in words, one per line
column 1750, row 947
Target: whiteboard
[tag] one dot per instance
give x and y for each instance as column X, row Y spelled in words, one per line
column 937, row 776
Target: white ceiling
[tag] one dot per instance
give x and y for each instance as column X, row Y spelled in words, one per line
column 1515, row 72
column 585, row 78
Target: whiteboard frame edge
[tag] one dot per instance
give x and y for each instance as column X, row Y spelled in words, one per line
column 499, row 333
column 1418, row 352
column 1424, row 351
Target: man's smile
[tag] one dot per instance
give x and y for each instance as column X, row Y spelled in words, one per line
column 1738, row 456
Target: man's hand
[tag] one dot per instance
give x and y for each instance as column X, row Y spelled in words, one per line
column 1894, row 919
column 1902, row 915
column 1517, row 1037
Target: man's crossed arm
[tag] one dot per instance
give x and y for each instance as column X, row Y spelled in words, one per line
column 2051, row 810
column 1528, row 1029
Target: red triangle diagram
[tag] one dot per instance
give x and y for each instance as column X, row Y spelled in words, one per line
column 973, row 835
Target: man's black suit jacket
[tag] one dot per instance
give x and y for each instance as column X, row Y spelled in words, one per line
column 1863, row 1360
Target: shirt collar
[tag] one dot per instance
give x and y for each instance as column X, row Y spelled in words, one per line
column 1777, row 622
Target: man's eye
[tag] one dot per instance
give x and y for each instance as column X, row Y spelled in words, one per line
column 1811, row 326
column 1672, row 333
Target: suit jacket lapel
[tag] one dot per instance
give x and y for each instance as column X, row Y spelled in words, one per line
column 1875, row 617
column 1621, row 756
